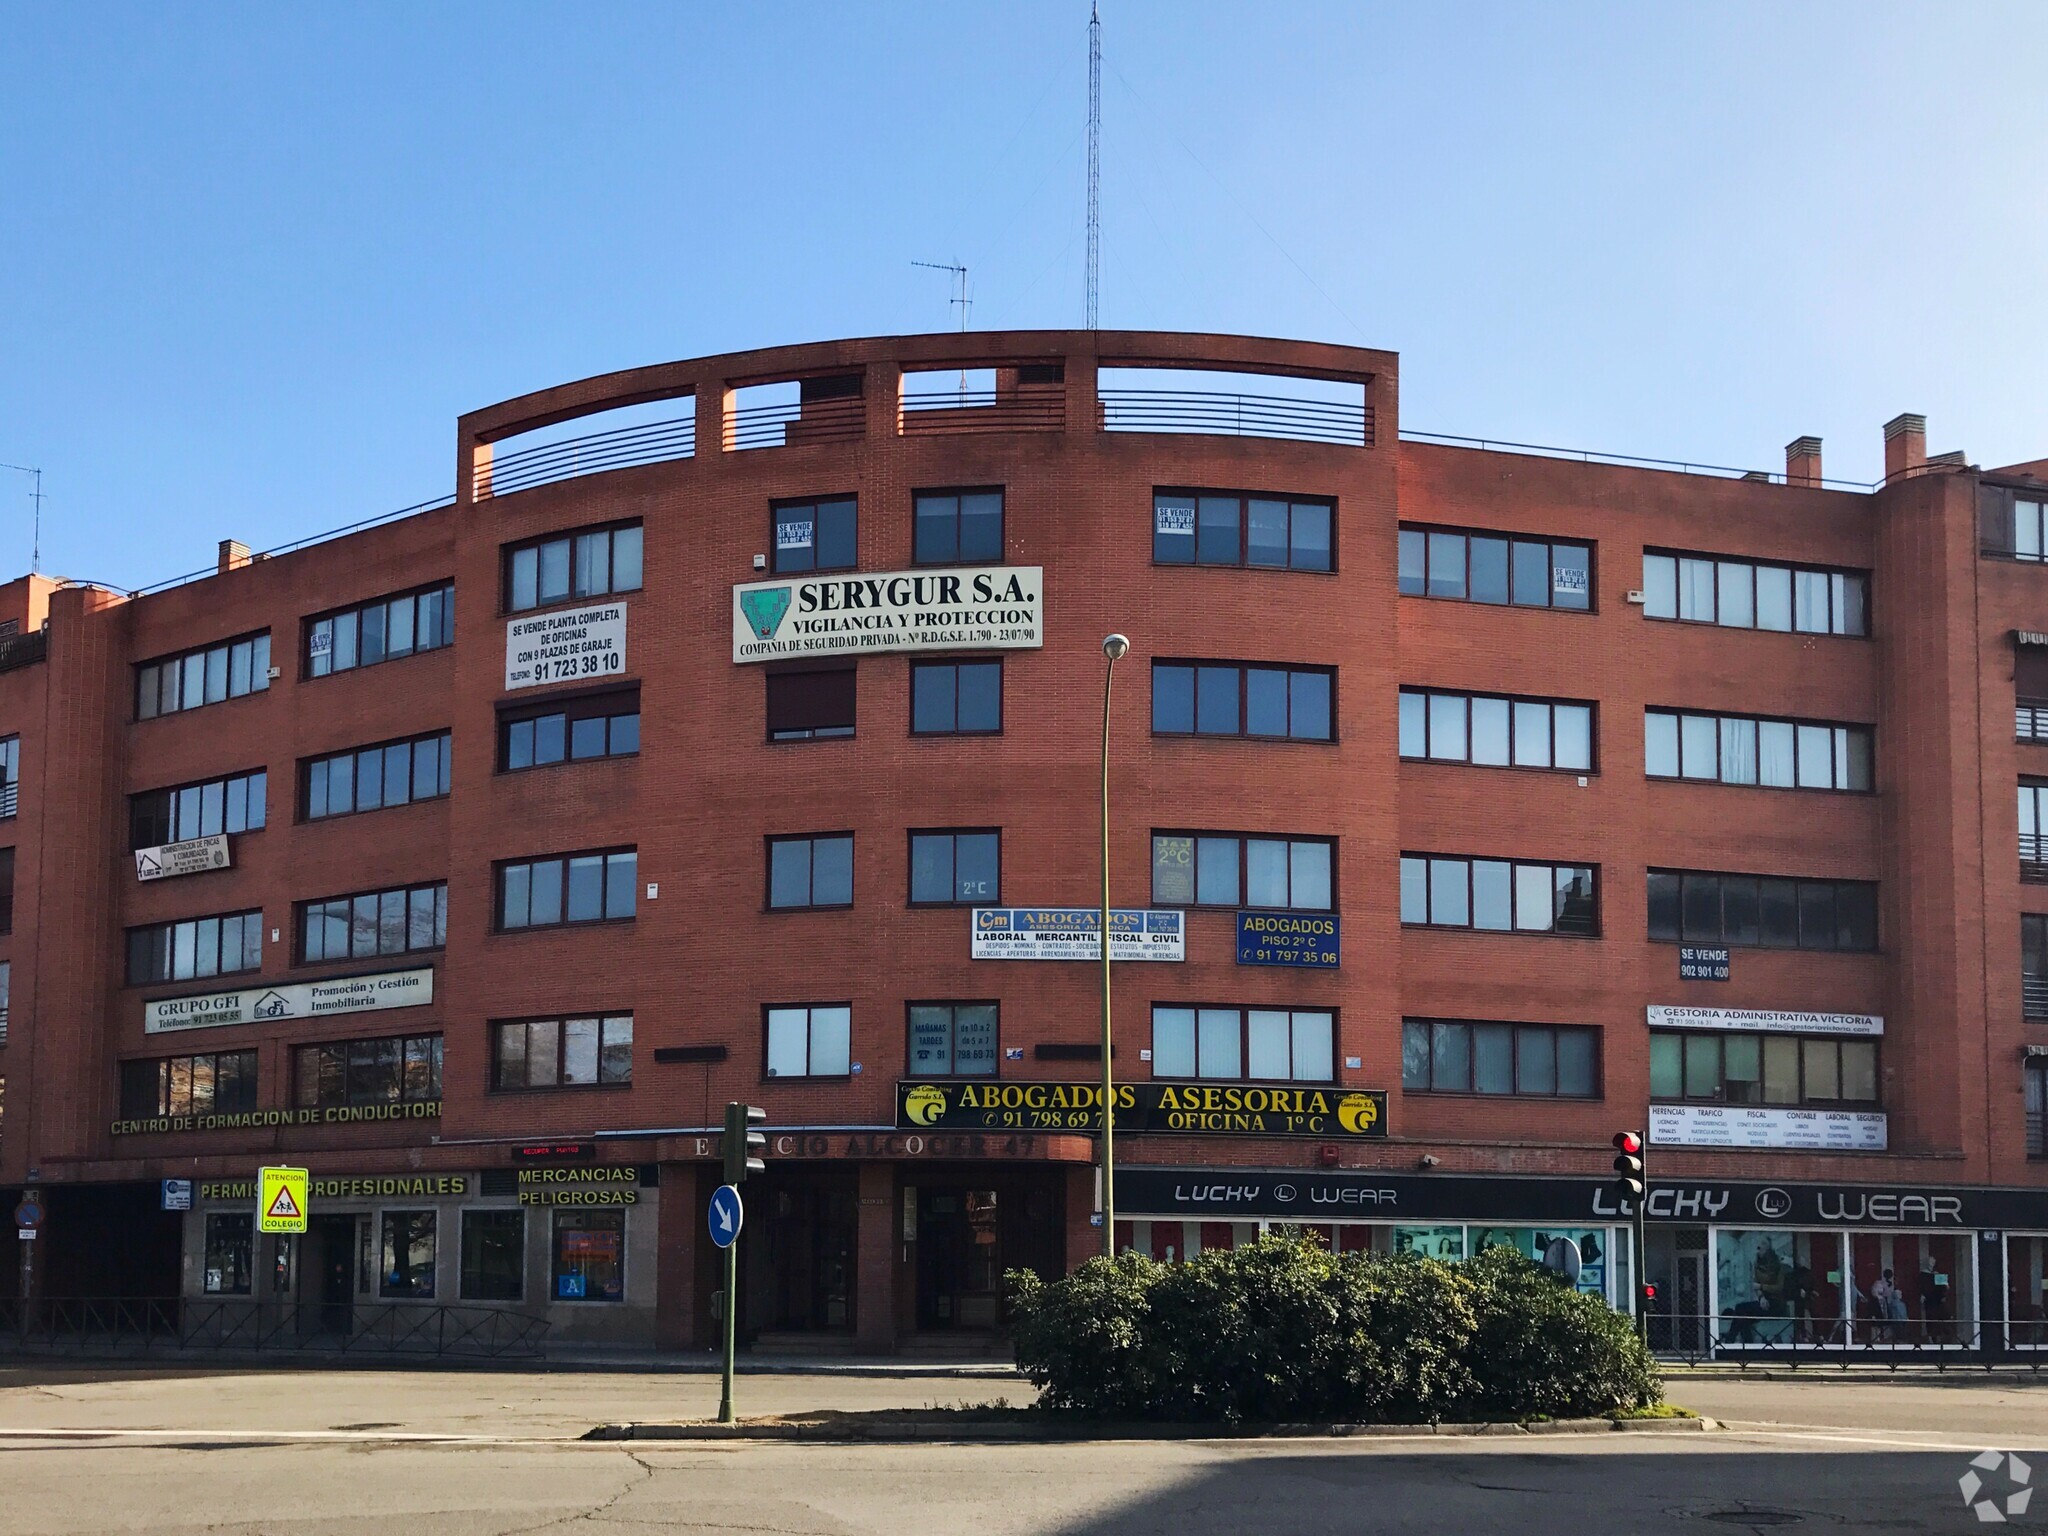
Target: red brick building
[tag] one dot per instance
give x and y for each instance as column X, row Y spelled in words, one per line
column 1469, row 804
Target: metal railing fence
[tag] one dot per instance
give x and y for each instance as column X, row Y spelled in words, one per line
column 653, row 442
column 1234, row 415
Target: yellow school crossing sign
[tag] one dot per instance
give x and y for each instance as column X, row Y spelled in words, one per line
column 281, row 1199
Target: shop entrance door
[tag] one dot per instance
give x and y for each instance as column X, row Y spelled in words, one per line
column 959, row 1258
column 327, row 1289
column 1689, row 1309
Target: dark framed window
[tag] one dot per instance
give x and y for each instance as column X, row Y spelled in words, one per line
column 493, row 1255
column 372, row 778
column 6, row 890
column 956, row 698
column 230, row 1243
column 807, row 706
column 195, row 948
column 583, row 1052
column 1496, row 731
column 1761, row 911
column 2033, row 808
column 1229, row 869
column 1499, row 895
column 2034, row 965
column 818, row 535
column 951, row 1039
column 1227, row 698
column 371, row 923
column 956, row 868
column 567, row 888
column 961, row 527
column 232, row 804
column 1762, row 1069
column 559, row 731
column 810, row 872
column 10, row 775
column 387, row 629
column 2037, row 1108
column 589, row 1256
column 1282, row 1045
column 1243, row 528
column 211, row 1083
column 398, row 1069
column 591, row 562
column 1519, row 570
column 2012, row 522
column 1524, row 1060
column 208, row 675
column 1753, row 594
column 406, row 1270
column 807, row 1040
column 1750, row 749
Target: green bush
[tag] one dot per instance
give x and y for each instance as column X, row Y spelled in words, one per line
column 1283, row 1330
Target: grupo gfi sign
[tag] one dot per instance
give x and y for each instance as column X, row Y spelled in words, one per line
column 290, row 1000
column 995, row 607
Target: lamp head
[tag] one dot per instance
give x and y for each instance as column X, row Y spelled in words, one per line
column 1115, row 647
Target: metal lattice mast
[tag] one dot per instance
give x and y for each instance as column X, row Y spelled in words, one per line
column 1094, row 161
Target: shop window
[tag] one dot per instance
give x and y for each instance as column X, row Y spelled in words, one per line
column 230, row 1243
column 346, row 1073
column 1525, row 1060
column 1499, row 895
column 1747, row 594
column 562, row 1053
column 1211, row 698
column 1212, row 869
column 590, row 1256
column 206, row 676
column 373, row 778
column 601, row 725
column 493, row 1255
column 1761, row 911
column 373, row 923
column 193, row 949
column 952, row 1039
column 809, row 1041
column 214, row 1083
column 233, row 804
column 1258, row 1044
column 958, row 527
column 1763, row 1069
column 815, row 535
column 810, row 872
column 1473, row 567
column 593, row 562
column 385, row 630
column 1916, row 1289
column 1744, row 749
column 1232, row 528
column 956, row 698
column 955, row 868
column 1496, row 731
column 406, row 1271
column 1779, row 1287
column 568, row 888
column 811, row 706
column 2026, row 1279
column 1446, row 1244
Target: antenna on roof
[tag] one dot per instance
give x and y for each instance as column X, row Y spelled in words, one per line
column 960, row 300
column 35, row 559
column 1094, row 160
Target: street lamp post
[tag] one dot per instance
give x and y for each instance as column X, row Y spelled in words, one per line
column 1113, row 647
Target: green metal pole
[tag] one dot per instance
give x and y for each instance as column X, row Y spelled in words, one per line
column 732, row 1307
column 1108, row 1044
column 1642, row 1281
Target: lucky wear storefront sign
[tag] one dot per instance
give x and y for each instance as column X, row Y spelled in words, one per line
column 1184, row 1109
column 573, row 645
column 996, row 607
column 290, row 1000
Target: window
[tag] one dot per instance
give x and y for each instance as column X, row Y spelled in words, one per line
column 234, row 804
column 958, row 527
column 814, row 1041
column 1499, row 894
column 1496, row 732
column 10, row 774
column 374, row 778
column 385, row 630
column 407, row 1270
column 568, row 888
column 956, row 698
column 952, row 1040
column 196, row 948
column 590, row 1256
column 2037, row 1108
column 186, row 681
column 493, row 1255
column 590, row 563
column 2033, row 966
column 815, row 535
column 344, row 1073
column 2034, row 829
column 1232, row 528
column 230, row 1241
column 6, row 979
column 1525, row 571
column 1524, row 1060
column 1746, row 749
column 1221, row 869
column 1267, row 1044
column 360, row 927
column 602, row 725
column 2027, row 523
column 217, row 1083
column 562, row 1053
column 805, row 706
column 1761, row 911
column 1210, row 698
column 1762, row 1069
column 955, row 869
column 810, row 871
column 6, row 890
column 1747, row 594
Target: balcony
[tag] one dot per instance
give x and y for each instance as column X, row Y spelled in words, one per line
column 2030, row 720
column 2033, row 996
column 2033, row 858
column 23, row 650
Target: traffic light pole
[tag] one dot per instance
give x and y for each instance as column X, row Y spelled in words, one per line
column 731, row 1309
column 738, row 1148
column 1636, row 1257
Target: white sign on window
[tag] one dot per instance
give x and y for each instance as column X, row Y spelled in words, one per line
column 1745, row 1125
column 191, row 857
column 291, row 1000
column 1168, row 518
column 1568, row 578
column 1773, row 1020
column 795, row 534
column 573, row 645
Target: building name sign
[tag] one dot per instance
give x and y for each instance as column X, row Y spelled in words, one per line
column 1075, row 933
column 264, row 1119
column 291, row 1000
column 575, row 645
column 1187, row 1109
column 1774, row 1020
column 996, row 607
column 346, row 1187
column 194, row 856
column 1744, row 1125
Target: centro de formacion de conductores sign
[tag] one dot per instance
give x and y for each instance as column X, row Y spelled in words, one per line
column 998, row 606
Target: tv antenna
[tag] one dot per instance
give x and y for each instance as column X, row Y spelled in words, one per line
column 35, row 495
column 1094, row 160
column 960, row 300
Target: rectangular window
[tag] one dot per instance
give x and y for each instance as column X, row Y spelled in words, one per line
column 1470, row 566
column 1223, row 698
column 562, row 1053
column 592, row 562
column 6, row 890
column 2028, row 519
column 234, row 804
column 952, row 1040
column 10, row 774
column 2033, row 809
column 589, row 1256
column 373, row 923
column 493, row 1255
column 601, row 725
column 2037, row 1108
column 206, row 676
column 6, row 986
column 808, row 706
column 344, row 1073
column 1524, row 1060
column 958, row 527
column 1500, row 895
column 1496, row 732
column 809, row 872
column 196, row 948
column 1228, row 869
column 1742, row 749
column 1763, row 1069
column 407, row 1269
column 2033, row 965
column 956, row 869
column 230, row 1243
column 1242, row 528
column 1296, row 1045
column 384, row 630
column 1748, row 594
column 216, row 1083
column 956, row 698
column 1761, row 911
column 567, row 888
column 814, row 535
column 809, row 1041
column 377, row 777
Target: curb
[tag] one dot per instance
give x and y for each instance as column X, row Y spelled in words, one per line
column 937, row 1431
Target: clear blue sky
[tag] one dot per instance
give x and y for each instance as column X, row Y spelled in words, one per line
column 254, row 259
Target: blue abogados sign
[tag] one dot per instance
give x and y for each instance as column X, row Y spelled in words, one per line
column 1287, row 938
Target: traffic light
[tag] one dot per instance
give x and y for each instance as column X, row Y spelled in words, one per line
column 743, row 1143
column 1628, row 1165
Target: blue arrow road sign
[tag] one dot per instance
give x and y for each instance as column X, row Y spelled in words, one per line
column 726, row 1215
